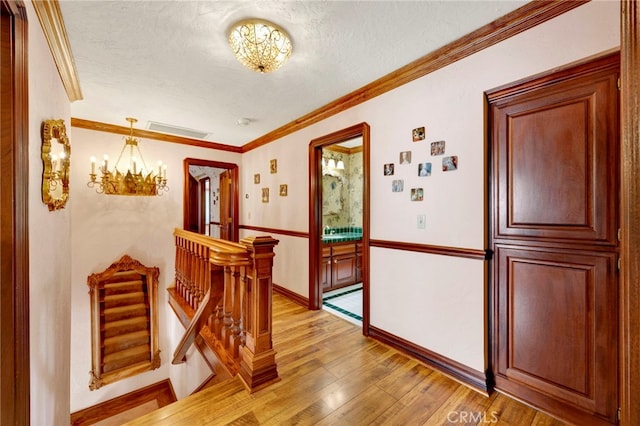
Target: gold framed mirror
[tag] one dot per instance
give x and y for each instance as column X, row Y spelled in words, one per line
column 56, row 161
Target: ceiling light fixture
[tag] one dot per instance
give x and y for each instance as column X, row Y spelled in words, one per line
column 137, row 180
column 260, row 45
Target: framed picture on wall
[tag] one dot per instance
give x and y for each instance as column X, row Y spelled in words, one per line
column 450, row 163
column 397, row 185
column 437, row 148
column 388, row 169
column 283, row 190
column 424, row 169
column 417, row 134
column 265, row 195
column 256, row 178
column 405, row 157
column 417, row 194
column 273, row 166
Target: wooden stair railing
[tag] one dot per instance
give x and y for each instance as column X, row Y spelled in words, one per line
column 222, row 294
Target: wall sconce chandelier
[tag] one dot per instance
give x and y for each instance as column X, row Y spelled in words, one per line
column 137, row 180
column 332, row 162
column 55, row 172
column 260, row 45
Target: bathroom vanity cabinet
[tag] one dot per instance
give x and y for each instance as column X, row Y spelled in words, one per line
column 341, row 264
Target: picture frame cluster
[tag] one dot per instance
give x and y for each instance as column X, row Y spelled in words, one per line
column 283, row 189
column 423, row 167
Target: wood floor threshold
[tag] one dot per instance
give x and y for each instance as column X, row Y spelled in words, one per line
column 333, row 375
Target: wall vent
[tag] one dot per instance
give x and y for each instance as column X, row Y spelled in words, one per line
column 178, row 131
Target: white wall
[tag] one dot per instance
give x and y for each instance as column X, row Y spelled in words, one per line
column 104, row 228
column 434, row 301
column 49, row 246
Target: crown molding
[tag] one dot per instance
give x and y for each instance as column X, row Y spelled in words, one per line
column 52, row 24
column 521, row 19
column 148, row 134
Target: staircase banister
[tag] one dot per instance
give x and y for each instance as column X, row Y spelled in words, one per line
column 221, row 252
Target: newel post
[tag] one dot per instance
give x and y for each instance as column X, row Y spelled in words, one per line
column 257, row 357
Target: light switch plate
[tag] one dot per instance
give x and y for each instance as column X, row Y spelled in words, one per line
column 422, row 221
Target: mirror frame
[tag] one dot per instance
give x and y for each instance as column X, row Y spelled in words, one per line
column 55, row 130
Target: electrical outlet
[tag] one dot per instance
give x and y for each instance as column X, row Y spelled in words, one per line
column 422, row 221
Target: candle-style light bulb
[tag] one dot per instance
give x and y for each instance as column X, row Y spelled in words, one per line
column 93, row 165
column 159, row 168
column 164, row 171
column 105, row 163
column 135, row 165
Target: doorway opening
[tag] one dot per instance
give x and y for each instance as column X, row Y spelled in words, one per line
column 211, row 198
column 339, row 240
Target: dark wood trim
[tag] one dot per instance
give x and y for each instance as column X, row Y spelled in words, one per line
column 161, row 392
column 521, row 19
column 477, row 380
column 295, row 297
column 14, row 203
column 426, row 248
column 148, row 134
column 234, row 174
column 275, row 231
column 630, row 221
column 315, row 213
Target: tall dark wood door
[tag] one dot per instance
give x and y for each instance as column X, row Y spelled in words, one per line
column 554, row 206
column 193, row 200
column 226, row 208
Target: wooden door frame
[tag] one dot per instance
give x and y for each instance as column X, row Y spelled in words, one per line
column 315, row 214
column 629, row 220
column 14, row 203
column 202, row 224
column 235, row 193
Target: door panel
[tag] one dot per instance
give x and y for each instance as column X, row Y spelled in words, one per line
column 554, row 316
column 554, row 174
column 555, row 219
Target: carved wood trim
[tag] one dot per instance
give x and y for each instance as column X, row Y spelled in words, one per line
column 295, row 297
column 96, row 283
column 14, row 203
column 630, row 221
column 275, row 231
column 52, row 24
column 148, row 134
column 431, row 249
column 522, row 19
column 477, row 380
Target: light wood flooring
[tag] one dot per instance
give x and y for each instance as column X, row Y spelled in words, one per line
column 332, row 375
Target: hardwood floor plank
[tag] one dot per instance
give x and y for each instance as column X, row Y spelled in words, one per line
column 332, row 375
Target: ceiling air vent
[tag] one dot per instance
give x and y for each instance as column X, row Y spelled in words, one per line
column 174, row 130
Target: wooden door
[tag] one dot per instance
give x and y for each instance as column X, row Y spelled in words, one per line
column 193, row 219
column 555, row 240
column 226, row 210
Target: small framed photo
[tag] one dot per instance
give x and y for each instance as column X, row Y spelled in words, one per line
column 397, row 185
column 417, row 194
column 437, row 148
column 273, row 166
column 450, row 163
column 405, row 157
column 388, row 169
column 417, row 134
column 424, row 169
column 265, row 195
column 256, row 178
column 283, row 190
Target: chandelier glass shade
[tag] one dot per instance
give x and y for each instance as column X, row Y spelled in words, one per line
column 135, row 178
column 260, row 45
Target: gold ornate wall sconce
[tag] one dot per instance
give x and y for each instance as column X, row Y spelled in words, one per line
column 56, row 159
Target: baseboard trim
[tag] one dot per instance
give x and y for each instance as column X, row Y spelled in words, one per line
column 160, row 391
column 478, row 381
column 295, row 297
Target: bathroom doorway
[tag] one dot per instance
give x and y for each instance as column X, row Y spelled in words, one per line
column 339, row 223
column 211, row 198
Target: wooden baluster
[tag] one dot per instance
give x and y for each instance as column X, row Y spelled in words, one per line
column 223, row 314
column 257, row 365
column 230, row 271
column 236, row 312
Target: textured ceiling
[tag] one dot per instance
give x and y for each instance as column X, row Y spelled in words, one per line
column 169, row 61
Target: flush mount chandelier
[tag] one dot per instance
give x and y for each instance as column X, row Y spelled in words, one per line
column 260, row 45
column 137, row 179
